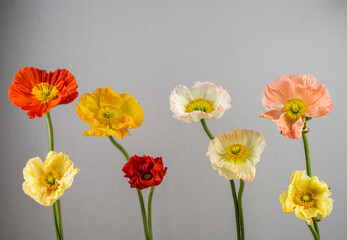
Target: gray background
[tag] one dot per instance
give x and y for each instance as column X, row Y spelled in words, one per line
column 146, row 48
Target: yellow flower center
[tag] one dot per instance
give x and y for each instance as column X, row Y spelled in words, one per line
column 200, row 104
column 295, row 108
column 305, row 198
column 236, row 152
column 44, row 92
column 108, row 114
column 50, row 180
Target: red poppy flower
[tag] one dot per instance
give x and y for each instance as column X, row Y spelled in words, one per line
column 144, row 171
column 36, row 91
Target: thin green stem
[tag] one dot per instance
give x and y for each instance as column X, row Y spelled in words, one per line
column 307, row 154
column 237, row 217
column 209, row 134
column 56, row 206
column 308, row 169
column 315, row 224
column 149, row 208
column 239, row 201
column 54, row 212
column 143, row 212
column 139, row 193
column 314, row 233
column 60, row 223
column 50, row 132
column 126, row 155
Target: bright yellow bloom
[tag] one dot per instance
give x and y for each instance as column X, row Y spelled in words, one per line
column 46, row 182
column 307, row 197
column 234, row 155
column 109, row 113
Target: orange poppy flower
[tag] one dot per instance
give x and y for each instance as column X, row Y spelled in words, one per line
column 36, row 91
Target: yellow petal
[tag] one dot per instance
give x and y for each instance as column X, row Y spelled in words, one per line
column 319, row 188
column 109, row 98
column 132, row 110
column 104, row 132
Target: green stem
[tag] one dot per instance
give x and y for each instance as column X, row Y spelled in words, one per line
column 314, row 233
column 315, row 224
column 54, row 212
column 209, row 134
column 232, row 184
column 50, row 132
column 60, row 223
column 149, row 208
column 307, row 154
column 56, row 206
column 139, row 193
column 237, row 217
column 308, row 169
column 143, row 212
column 239, row 201
column 126, row 155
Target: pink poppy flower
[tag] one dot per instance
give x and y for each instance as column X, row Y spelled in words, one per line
column 292, row 99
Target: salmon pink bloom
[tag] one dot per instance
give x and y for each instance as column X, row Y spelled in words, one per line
column 292, row 99
column 37, row 91
column 144, row 172
column 204, row 101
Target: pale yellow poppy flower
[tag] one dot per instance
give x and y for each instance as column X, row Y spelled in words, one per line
column 307, row 197
column 46, row 182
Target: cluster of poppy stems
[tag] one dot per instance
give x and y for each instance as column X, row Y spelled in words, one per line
column 292, row 100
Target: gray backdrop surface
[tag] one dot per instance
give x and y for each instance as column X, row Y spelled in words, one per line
column 146, row 48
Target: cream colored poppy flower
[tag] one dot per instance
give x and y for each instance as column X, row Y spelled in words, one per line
column 235, row 154
column 307, row 197
column 46, row 182
column 205, row 100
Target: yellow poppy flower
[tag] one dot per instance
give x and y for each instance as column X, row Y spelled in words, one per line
column 235, row 154
column 109, row 113
column 46, row 182
column 307, row 197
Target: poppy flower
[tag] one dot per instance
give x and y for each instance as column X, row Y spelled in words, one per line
column 46, row 182
column 292, row 99
column 109, row 113
column 36, row 91
column 235, row 154
column 205, row 100
column 307, row 197
column 144, row 172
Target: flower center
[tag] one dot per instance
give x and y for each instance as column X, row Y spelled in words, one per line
column 200, row 104
column 147, row 176
column 108, row 114
column 236, row 152
column 295, row 108
column 44, row 92
column 305, row 198
column 50, row 180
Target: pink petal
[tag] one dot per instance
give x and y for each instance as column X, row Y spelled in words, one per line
column 272, row 115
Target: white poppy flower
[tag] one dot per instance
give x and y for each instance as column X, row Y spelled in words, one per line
column 205, row 100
